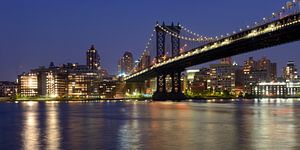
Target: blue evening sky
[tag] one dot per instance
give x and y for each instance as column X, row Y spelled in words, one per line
column 35, row 32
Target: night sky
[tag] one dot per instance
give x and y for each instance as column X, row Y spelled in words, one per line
column 36, row 32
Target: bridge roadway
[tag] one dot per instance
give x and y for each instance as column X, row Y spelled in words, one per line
column 274, row 33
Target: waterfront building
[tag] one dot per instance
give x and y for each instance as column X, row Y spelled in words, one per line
column 107, row 87
column 290, row 72
column 276, row 89
column 125, row 64
column 190, row 77
column 93, row 59
column 52, row 81
column 28, row 84
column 199, row 83
column 83, row 83
column 8, row 89
column 222, row 77
column 69, row 80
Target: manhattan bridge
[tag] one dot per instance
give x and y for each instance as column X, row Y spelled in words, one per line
column 174, row 47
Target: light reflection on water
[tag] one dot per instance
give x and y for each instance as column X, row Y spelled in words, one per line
column 52, row 128
column 238, row 124
column 30, row 134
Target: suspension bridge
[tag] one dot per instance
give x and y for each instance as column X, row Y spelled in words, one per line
column 176, row 47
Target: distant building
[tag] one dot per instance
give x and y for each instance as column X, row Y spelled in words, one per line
column 83, row 83
column 125, row 64
column 222, row 77
column 276, row 89
column 290, row 72
column 226, row 60
column 262, row 70
column 93, row 59
column 104, row 73
column 190, row 74
column 108, row 87
column 144, row 62
column 199, row 83
column 8, row 89
column 269, row 67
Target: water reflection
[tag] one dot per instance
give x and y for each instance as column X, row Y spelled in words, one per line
column 274, row 126
column 31, row 131
column 130, row 132
column 238, row 124
column 53, row 137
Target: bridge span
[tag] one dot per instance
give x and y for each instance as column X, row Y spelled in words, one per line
column 281, row 31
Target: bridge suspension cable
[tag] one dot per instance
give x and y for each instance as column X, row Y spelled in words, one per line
column 191, row 32
column 148, row 44
column 289, row 6
column 195, row 37
column 198, row 39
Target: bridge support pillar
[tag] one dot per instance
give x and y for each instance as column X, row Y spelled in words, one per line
column 161, row 93
column 176, row 93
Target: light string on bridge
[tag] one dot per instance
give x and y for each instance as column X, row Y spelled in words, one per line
column 193, row 33
column 279, row 14
column 144, row 52
column 288, row 6
column 200, row 39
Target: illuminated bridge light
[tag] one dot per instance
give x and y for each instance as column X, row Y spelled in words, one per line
column 253, row 33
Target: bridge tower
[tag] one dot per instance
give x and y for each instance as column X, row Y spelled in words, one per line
column 175, row 74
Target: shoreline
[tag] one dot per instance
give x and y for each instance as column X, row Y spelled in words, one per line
column 8, row 99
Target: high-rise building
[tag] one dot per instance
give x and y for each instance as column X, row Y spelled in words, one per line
column 125, row 65
column 290, row 72
column 226, row 60
column 269, row 67
column 144, row 62
column 93, row 59
column 262, row 70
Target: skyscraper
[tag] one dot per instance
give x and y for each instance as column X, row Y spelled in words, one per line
column 144, row 62
column 290, row 71
column 125, row 64
column 226, row 60
column 271, row 71
column 93, row 59
column 262, row 70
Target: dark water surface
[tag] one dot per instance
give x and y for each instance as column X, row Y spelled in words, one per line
column 248, row 124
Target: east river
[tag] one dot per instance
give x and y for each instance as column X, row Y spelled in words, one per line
column 237, row 124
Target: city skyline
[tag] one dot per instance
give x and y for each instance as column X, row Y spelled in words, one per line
column 140, row 74
column 53, row 38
